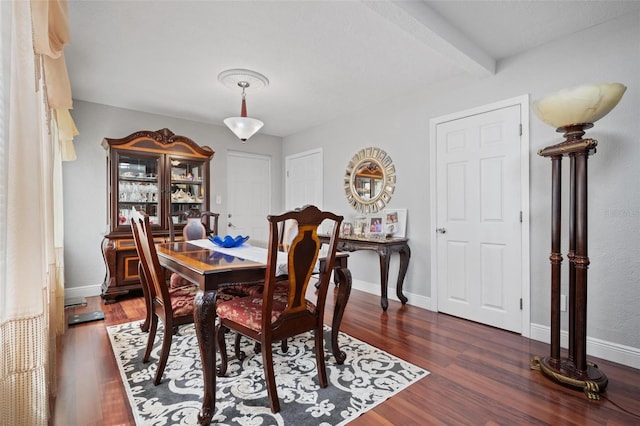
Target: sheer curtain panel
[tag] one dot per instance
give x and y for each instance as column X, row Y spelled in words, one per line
column 31, row 263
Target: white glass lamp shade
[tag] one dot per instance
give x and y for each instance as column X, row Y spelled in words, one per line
column 243, row 127
column 579, row 105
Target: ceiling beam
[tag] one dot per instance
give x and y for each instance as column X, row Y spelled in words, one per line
column 427, row 26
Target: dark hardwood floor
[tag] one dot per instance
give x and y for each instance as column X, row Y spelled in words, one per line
column 479, row 375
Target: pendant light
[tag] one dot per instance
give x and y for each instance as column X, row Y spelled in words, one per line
column 243, row 127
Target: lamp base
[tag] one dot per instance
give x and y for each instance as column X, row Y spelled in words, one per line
column 591, row 381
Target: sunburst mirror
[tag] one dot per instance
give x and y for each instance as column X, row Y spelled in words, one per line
column 369, row 180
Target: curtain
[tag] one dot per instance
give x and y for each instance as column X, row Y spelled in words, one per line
column 35, row 94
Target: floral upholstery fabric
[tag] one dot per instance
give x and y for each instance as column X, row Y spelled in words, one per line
column 225, row 292
column 256, row 288
column 182, row 299
column 248, row 310
column 250, row 289
column 253, row 288
column 176, row 280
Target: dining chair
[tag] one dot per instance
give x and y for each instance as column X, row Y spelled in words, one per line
column 282, row 312
column 172, row 305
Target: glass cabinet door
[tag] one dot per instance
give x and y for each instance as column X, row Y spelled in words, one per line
column 138, row 186
column 187, row 186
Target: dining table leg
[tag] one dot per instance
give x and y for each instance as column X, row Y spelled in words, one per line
column 343, row 279
column 204, row 315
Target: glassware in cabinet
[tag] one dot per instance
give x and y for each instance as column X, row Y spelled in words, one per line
column 188, row 188
column 138, row 187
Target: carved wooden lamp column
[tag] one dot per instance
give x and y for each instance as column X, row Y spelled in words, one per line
column 572, row 111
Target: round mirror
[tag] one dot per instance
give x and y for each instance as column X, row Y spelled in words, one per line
column 369, row 180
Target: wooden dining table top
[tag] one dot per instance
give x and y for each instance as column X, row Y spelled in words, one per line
column 208, row 265
column 204, row 260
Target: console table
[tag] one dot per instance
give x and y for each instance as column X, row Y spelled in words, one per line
column 384, row 247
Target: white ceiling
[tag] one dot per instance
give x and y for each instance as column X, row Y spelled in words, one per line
column 324, row 59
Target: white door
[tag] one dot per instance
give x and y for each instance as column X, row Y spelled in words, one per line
column 478, row 218
column 303, row 179
column 249, row 193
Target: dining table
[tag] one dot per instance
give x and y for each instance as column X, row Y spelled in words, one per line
column 210, row 267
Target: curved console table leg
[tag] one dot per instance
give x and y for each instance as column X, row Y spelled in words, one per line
column 385, row 257
column 204, row 316
column 343, row 279
column 405, row 255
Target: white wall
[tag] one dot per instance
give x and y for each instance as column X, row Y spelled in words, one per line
column 609, row 52
column 85, row 192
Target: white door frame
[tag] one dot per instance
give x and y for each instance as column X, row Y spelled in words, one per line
column 523, row 101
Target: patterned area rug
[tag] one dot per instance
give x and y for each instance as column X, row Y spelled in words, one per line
column 368, row 377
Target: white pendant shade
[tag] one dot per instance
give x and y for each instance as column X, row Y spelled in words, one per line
column 243, row 127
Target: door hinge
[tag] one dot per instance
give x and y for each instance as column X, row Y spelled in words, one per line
column 520, row 125
column 520, row 216
column 287, row 173
column 521, row 303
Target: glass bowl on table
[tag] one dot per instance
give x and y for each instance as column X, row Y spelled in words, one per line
column 228, row 241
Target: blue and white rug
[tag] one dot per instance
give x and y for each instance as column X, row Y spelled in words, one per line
column 367, row 378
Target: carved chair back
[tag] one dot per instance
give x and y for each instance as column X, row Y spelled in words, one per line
column 283, row 310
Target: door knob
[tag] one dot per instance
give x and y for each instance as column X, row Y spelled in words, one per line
column 230, row 225
column 441, row 230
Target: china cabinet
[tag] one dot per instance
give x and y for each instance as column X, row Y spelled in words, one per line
column 160, row 173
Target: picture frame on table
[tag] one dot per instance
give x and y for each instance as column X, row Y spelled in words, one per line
column 395, row 222
column 375, row 225
column 347, row 228
column 360, row 226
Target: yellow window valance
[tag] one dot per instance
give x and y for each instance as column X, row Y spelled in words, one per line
column 50, row 21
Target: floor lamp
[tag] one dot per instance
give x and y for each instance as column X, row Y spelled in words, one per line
column 572, row 111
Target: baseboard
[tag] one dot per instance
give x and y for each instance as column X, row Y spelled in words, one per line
column 614, row 352
column 414, row 299
column 86, row 291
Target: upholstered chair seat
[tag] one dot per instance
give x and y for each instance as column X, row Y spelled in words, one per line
column 247, row 311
